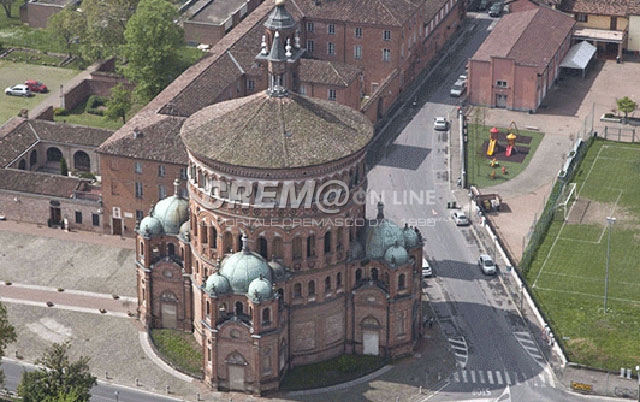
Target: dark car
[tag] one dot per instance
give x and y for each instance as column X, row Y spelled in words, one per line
column 496, row 9
column 36, row 86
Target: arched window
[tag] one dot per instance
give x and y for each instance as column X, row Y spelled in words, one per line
column 339, row 280
column 327, row 242
column 53, row 154
column 22, row 165
column 374, row 274
column 280, row 298
column 262, row 247
column 401, row 284
column 171, row 249
column 239, row 242
column 311, row 246
column 312, row 288
column 214, row 238
column 297, row 290
column 204, row 238
column 223, row 308
column 227, row 241
column 296, row 248
column 81, row 161
column 339, row 238
column 266, row 316
column 33, row 158
column 208, row 307
column 239, row 308
column 358, row 274
column 327, row 283
column 278, row 250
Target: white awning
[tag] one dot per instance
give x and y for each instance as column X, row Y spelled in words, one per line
column 579, row 55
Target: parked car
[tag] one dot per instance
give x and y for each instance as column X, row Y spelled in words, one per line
column 458, row 88
column 484, row 4
column 427, row 272
column 496, row 9
column 460, row 218
column 18, row 90
column 440, row 123
column 36, row 86
column 487, row 266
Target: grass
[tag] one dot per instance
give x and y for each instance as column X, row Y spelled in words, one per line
column 334, row 371
column 567, row 275
column 78, row 116
column 479, row 164
column 10, row 75
column 179, row 348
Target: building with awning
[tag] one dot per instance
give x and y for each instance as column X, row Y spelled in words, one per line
column 578, row 56
column 606, row 38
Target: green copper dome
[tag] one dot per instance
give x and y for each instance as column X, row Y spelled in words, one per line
column 410, row 237
column 150, row 227
column 382, row 234
column 217, row 284
column 243, row 267
column 260, row 289
column 172, row 212
column 396, row 255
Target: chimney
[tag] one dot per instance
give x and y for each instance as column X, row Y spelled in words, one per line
column 137, row 133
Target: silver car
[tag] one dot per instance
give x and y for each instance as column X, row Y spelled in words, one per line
column 460, row 218
column 440, row 124
column 487, row 266
column 18, row 90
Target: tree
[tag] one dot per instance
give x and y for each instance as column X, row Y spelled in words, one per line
column 63, row 167
column 105, row 23
column 67, row 26
column 152, row 40
column 626, row 106
column 7, row 336
column 58, row 379
column 119, row 103
column 7, row 4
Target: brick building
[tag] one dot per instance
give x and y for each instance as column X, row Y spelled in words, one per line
column 276, row 283
column 520, row 59
column 233, row 69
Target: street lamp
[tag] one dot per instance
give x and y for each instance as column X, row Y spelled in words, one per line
column 610, row 222
column 116, row 394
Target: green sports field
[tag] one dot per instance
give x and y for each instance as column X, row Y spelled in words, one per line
column 568, row 273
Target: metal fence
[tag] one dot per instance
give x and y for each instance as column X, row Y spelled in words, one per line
column 620, row 134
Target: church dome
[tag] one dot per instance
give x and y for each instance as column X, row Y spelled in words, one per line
column 243, row 267
column 185, row 229
column 382, row 234
column 150, row 227
column 273, row 132
column 172, row 212
column 217, row 284
column 410, row 237
column 260, row 289
column 396, row 255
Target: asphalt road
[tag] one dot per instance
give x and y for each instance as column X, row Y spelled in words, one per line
column 498, row 358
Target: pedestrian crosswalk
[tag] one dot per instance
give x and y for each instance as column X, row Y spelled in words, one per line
column 529, row 345
column 502, row 377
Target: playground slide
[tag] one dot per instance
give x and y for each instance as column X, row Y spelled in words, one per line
column 492, row 145
column 508, row 151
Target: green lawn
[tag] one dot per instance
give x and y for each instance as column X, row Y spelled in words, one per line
column 11, row 74
column 567, row 275
column 78, row 116
column 479, row 164
column 180, row 348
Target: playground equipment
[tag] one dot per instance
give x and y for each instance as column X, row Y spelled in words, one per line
column 493, row 140
column 511, row 139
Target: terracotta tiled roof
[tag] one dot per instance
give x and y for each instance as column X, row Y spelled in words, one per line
column 386, row 12
column 634, row 7
column 39, row 183
column 530, row 37
column 618, row 8
column 274, row 133
column 15, row 137
column 327, row 72
column 160, row 140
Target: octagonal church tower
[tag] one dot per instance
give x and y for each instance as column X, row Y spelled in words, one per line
column 285, row 269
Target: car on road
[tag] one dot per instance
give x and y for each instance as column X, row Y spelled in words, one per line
column 18, row 90
column 458, row 88
column 36, row 86
column 427, row 272
column 487, row 266
column 496, row 9
column 484, row 4
column 440, row 124
column 460, row 218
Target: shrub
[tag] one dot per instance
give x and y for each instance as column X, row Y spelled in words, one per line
column 94, row 103
column 347, row 364
column 60, row 111
column 609, row 115
column 87, row 175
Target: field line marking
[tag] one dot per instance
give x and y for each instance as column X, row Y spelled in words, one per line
column 580, row 241
column 548, row 255
column 572, row 292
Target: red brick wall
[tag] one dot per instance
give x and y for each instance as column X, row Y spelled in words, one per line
column 37, row 14
column 203, row 33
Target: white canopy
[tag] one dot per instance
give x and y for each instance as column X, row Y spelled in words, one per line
column 579, row 55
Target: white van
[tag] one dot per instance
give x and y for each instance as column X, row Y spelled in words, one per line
column 426, row 269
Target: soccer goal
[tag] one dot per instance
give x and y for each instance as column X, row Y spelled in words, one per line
column 565, row 200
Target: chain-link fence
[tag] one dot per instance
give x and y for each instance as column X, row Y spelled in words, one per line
column 620, row 134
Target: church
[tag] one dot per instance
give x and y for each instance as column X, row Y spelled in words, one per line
column 266, row 286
